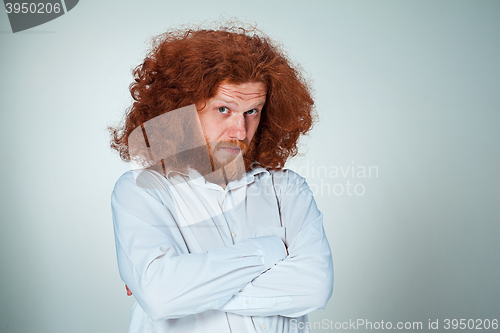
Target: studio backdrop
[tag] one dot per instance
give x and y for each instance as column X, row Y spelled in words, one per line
column 403, row 161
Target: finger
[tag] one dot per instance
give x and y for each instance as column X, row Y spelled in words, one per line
column 129, row 293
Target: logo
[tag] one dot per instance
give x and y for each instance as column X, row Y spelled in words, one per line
column 29, row 14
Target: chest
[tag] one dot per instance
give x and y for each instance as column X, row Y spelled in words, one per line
column 210, row 217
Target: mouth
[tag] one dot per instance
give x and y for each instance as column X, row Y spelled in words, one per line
column 231, row 150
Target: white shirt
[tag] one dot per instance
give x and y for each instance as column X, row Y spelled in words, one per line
column 200, row 258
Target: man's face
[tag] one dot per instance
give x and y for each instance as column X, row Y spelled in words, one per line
column 230, row 119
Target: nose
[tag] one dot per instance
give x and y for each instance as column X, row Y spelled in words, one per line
column 237, row 129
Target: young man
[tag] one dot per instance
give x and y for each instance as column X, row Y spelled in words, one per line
column 213, row 235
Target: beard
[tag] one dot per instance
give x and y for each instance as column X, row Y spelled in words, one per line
column 219, row 162
column 228, row 160
column 224, row 152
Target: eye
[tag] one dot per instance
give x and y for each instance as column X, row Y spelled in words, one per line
column 223, row 109
column 252, row 112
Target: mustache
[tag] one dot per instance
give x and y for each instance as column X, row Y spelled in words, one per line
column 233, row 143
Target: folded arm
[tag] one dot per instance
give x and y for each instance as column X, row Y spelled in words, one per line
column 303, row 281
column 167, row 281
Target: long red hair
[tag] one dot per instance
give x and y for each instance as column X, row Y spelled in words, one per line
column 185, row 67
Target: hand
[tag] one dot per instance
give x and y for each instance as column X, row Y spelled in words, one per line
column 129, row 293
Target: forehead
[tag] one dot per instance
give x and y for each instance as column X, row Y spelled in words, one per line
column 249, row 91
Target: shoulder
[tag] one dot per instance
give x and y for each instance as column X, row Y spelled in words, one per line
column 277, row 176
column 140, row 182
column 145, row 179
column 286, row 178
column 287, row 183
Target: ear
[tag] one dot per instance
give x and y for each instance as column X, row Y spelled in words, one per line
column 200, row 105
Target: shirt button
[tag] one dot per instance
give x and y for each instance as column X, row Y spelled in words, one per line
column 264, row 326
column 233, row 234
column 245, row 302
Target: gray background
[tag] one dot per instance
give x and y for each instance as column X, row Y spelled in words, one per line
column 409, row 87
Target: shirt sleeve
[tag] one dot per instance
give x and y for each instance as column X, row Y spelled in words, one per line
column 167, row 281
column 302, row 282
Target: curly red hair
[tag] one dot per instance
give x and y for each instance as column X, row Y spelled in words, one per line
column 185, row 67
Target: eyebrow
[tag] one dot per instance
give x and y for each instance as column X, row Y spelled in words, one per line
column 227, row 101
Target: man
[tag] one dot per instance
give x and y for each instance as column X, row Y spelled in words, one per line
column 213, row 235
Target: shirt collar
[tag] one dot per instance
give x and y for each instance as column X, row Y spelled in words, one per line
column 196, row 178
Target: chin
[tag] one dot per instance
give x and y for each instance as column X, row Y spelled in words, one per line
column 223, row 158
